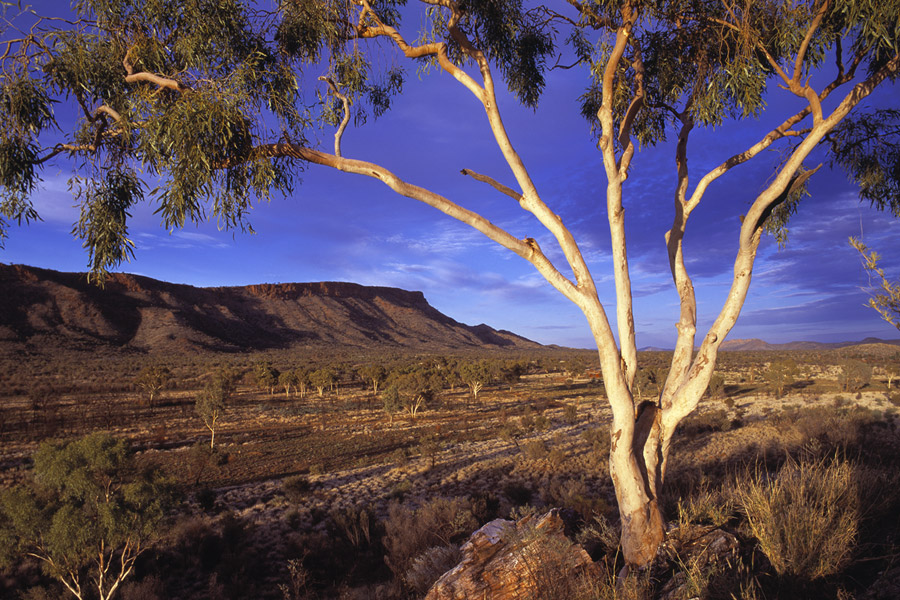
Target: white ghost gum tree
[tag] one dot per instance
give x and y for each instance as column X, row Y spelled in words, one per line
column 203, row 94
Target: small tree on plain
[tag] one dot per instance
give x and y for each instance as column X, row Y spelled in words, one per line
column 780, row 375
column 301, row 376
column 374, row 374
column 392, row 404
column 891, row 372
column 476, row 375
column 88, row 514
column 213, row 401
column 267, row 377
column 321, row 379
column 416, row 387
column 151, row 381
column 854, row 375
column 287, row 380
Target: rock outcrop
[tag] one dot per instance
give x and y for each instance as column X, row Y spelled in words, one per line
column 529, row 559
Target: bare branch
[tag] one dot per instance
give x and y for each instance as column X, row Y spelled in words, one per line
column 495, row 184
column 528, row 251
column 614, row 209
column 163, row 82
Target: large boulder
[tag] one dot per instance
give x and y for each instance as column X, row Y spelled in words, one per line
column 529, row 559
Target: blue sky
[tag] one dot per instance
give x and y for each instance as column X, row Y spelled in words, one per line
column 341, row 227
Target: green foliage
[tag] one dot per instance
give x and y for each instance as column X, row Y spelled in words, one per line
column 89, row 507
column 194, row 93
column 267, row 377
column 102, row 226
column 322, row 378
column 885, row 298
column 867, row 147
column 374, row 374
column 476, row 375
column 412, row 388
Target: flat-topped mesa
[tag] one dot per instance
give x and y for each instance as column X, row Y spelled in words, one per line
column 43, row 308
column 332, row 289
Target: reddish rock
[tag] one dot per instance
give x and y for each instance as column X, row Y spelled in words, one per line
column 526, row 560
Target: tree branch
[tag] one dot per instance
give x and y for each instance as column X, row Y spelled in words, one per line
column 495, row 184
column 163, row 82
column 804, row 45
column 527, row 250
column 614, row 208
column 344, row 120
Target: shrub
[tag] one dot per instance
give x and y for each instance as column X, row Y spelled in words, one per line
column 535, row 450
column 400, row 489
column 430, row 565
column 356, row 524
column 713, row 420
column 570, row 414
column 295, row 488
column 526, row 421
column 409, row 533
column 805, row 518
column 574, row 495
column 541, row 423
column 205, row 498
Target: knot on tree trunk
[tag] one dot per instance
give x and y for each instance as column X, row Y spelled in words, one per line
column 528, row 559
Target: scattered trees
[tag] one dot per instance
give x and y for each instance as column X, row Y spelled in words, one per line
column 157, row 95
column 287, row 380
column 411, row 389
column 88, row 514
column 302, row 380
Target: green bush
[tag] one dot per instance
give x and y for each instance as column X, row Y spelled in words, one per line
column 88, row 515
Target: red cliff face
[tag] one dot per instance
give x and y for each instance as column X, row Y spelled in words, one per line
column 138, row 312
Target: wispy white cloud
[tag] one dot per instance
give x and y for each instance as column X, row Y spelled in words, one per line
column 178, row 240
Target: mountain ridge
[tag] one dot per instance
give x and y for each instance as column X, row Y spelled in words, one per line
column 42, row 306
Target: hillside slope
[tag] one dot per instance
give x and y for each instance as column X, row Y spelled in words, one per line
column 40, row 307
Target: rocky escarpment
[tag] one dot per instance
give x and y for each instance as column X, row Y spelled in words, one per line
column 40, row 306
